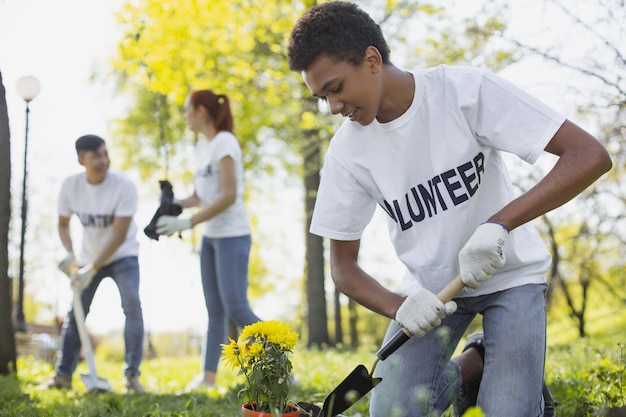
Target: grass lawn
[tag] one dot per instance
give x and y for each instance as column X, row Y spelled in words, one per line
column 585, row 375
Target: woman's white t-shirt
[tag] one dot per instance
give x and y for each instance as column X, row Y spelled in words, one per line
column 96, row 205
column 233, row 221
column 438, row 172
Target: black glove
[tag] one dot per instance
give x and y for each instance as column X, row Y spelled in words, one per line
column 166, row 208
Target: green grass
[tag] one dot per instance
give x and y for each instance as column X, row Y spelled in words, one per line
column 585, row 375
column 317, row 372
column 588, row 375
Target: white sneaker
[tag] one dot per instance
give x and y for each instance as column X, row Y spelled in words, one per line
column 198, row 384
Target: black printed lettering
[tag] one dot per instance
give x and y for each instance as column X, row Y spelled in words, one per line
column 428, row 198
column 467, row 179
column 389, row 210
column 424, row 200
column 452, row 187
column 479, row 163
column 420, row 208
column 403, row 225
column 98, row 221
column 434, row 182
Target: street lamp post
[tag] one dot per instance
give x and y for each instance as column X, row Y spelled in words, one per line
column 28, row 87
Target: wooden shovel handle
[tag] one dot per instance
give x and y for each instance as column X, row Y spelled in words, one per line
column 402, row 335
column 451, row 290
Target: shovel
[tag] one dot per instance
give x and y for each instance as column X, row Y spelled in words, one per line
column 91, row 380
column 360, row 381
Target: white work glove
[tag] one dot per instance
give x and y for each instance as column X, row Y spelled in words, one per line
column 82, row 278
column 68, row 264
column 482, row 255
column 422, row 310
column 168, row 225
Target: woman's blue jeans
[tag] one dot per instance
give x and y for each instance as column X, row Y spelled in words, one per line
column 420, row 380
column 224, row 270
column 125, row 274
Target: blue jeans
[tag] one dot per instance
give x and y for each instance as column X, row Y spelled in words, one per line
column 125, row 273
column 420, row 380
column 224, row 271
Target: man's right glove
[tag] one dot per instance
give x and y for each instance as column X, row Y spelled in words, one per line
column 482, row 255
column 68, row 265
column 422, row 310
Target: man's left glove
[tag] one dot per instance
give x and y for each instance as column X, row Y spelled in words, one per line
column 482, row 255
column 168, row 225
column 422, row 311
column 68, row 264
column 82, row 278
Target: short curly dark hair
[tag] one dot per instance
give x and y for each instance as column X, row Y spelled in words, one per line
column 340, row 30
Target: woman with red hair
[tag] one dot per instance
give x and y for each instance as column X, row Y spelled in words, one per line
column 226, row 240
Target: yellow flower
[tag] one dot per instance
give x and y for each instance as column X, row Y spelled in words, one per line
column 231, row 354
column 473, row 412
column 272, row 331
column 262, row 355
column 255, row 350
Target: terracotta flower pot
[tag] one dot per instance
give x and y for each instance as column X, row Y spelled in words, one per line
column 246, row 411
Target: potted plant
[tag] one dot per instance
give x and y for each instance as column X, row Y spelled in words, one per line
column 262, row 354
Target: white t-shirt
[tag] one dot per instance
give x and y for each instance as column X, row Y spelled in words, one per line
column 96, row 205
column 233, row 221
column 438, row 172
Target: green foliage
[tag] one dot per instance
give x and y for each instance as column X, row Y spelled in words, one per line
column 585, row 375
column 233, row 47
column 591, row 378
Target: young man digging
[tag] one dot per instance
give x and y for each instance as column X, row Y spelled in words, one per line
column 105, row 202
column 427, row 146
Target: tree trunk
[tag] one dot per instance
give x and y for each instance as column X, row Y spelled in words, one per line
column 317, row 318
column 8, row 354
column 353, row 319
column 337, row 316
column 583, row 309
column 553, row 273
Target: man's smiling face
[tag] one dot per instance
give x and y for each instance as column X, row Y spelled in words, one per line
column 352, row 91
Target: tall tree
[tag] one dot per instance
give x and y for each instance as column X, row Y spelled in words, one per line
column 317, row 317
column 8, row 355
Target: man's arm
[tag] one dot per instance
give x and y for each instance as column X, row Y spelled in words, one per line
column 120, row 229
column 418, row 313
column 582, row 160
column 351, row 280
column 65, row 234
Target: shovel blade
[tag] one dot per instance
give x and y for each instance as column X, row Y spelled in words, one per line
column 354, row 387
column 95, row 383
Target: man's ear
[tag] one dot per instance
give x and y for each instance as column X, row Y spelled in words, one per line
column 81, row 158
column 373, row 59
